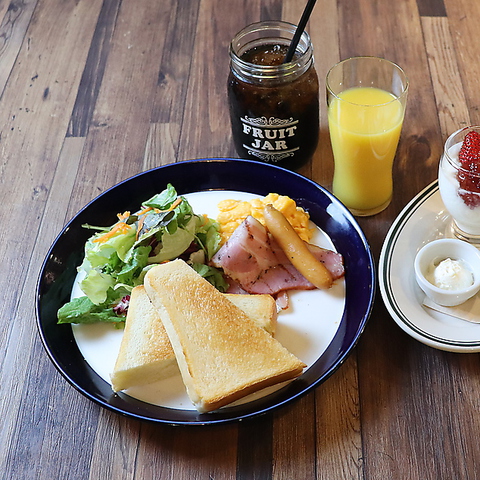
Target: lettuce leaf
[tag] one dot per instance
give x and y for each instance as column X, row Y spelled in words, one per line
column 207, row 236
column 212, row 274
column 96, row 285
column 96, row 252
column 174, row 244
column 83, row 310
column 163, row 200
column 118, row 257
column 132, row 268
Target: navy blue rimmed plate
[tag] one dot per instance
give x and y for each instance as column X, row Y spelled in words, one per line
column 58, row 274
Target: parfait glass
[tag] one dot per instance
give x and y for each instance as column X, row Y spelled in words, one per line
column 459, row 186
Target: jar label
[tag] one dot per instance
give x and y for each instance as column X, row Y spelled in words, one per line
column 269, row 139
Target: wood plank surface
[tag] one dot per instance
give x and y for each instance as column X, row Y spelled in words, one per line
column 462, row 17
column 35, row 101
column 93, row 92
column 447, row 83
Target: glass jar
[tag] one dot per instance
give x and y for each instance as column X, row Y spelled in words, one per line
column 274, row 108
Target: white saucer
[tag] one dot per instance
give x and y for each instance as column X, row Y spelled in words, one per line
column 424, row 219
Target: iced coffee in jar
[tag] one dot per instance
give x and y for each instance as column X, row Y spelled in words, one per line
column 274, row 108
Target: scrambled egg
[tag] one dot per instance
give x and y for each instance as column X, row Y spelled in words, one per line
column 233, row 212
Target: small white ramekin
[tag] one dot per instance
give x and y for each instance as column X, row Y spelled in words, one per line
column 438, row 250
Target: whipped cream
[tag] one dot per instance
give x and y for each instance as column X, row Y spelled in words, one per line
column 450, row 275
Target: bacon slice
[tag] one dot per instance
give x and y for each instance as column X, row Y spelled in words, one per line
column 332, row 260
column 256, row 264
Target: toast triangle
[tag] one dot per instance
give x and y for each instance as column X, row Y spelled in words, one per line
column 146, row 354
column 222, row 354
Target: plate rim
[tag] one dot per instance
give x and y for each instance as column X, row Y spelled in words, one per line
column 267, row 403
column 386, row 288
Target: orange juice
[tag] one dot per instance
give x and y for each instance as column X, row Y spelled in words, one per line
column 365, row 125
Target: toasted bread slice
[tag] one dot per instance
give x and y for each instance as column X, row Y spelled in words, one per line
column 222, row 354
column 262, row 309
column 146, row 355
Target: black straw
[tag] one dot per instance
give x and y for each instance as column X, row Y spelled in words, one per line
column 299, row 30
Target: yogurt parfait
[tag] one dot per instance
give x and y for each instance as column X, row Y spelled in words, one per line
column 459, row 182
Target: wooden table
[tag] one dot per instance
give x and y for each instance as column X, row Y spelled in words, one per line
column 94, row 92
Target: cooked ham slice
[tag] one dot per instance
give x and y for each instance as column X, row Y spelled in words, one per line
column 333, row 261
column 256, row 264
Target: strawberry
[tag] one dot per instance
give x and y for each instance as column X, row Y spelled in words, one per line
column 469, row 179
column 469, row 155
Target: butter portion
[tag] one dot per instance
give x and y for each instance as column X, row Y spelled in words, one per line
column 450, row 274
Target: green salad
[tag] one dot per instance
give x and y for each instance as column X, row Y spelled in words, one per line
column 117, row 257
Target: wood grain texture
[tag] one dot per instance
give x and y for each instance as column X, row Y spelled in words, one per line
column 211, row 453
column 338, row 425
column 15, row 18
column 294, row 441
column 162, row 144
column 36, row 100
column 94, row 70
column 324, row 24
column 257, row 462
column 447, row 82
column 463, row 28
column 121, row 118
column 206, row 107
column 92, row 92
column 121, row 451
column 431, row 8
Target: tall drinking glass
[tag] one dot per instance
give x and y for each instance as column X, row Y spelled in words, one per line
column 366, row 99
